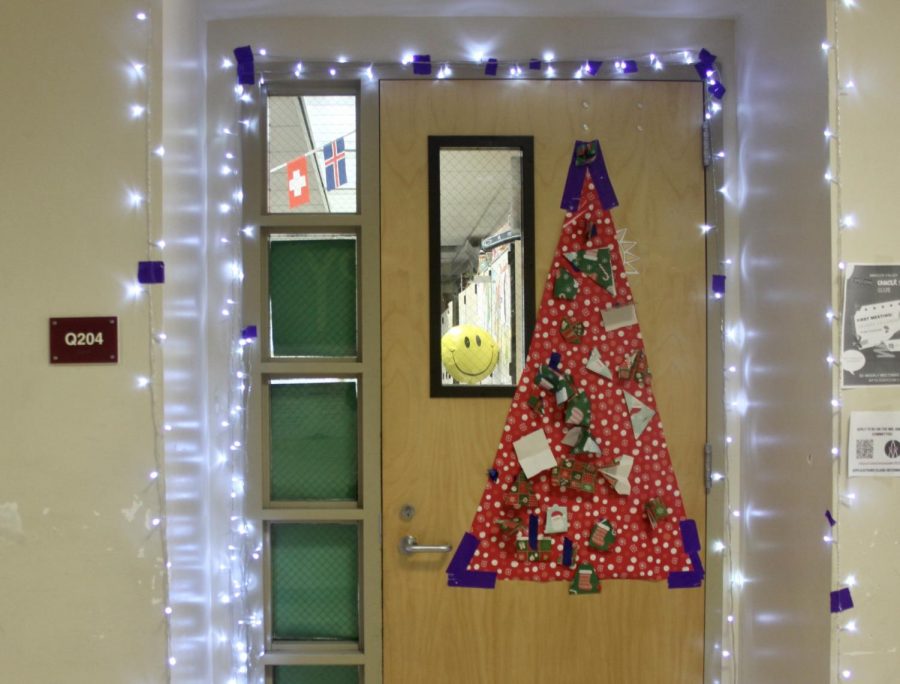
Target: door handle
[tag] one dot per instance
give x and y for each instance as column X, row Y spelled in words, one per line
column 409, row 545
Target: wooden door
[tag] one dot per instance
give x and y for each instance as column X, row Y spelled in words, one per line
column 436, row 451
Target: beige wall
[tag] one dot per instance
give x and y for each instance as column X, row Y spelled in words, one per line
column 869, row 54
column 80, row 570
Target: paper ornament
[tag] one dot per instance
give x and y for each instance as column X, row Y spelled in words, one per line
column 565, row 287
column 585, row 580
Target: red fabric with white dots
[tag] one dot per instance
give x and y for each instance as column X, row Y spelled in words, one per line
column 639, row 552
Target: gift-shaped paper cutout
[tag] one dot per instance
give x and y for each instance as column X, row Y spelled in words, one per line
column 520, row 493
column 510, row 526
column 556, row 520
column 578, row 410
column 635, row 367
column 602, row 536
column 595, row 365
column 655, row 510
column 618, row 473
column 619, row 317
column 581, row 441
column 565, row 287
column 565, row 389
column 571, row 331
column 547, row 378
column 534, row 453
column 575, row 474
column 585, row 580
column 543, row 553
column 536, row 404
column 595, row 263
column 639, row 412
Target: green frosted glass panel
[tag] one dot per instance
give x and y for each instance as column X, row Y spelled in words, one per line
column 312, row 291
column 314, row 440
column 317, row 674
column 315, row 592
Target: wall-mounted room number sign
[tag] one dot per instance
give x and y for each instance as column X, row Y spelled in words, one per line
column 84, row 340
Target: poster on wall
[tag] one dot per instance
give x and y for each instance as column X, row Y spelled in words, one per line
column 870, row 347
column 874, row 444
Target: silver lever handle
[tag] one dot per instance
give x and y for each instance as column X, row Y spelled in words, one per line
column 409, row 545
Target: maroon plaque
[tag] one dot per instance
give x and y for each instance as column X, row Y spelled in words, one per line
column 84, row 340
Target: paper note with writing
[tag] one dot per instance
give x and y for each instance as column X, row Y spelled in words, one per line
column 870, row 349
column 534, row 454
column 874, row 444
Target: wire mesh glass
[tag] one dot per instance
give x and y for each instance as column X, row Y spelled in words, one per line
column 315, row 581
column 314, row 436
column 313, row 295
column 311, row 154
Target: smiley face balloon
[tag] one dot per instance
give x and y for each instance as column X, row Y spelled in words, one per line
column 469, row 353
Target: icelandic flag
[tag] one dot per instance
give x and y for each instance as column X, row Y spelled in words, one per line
column 335, row 164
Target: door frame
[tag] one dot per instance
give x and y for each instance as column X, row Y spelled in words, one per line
column 281, row 79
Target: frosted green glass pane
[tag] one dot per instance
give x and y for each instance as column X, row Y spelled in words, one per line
column 315, row 592
column 312, row 296
column 314, row 438
column 317, row 674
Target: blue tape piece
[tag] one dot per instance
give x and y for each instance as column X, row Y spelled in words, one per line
column 689, row 579
column 490, row 67
column 567, row 552
column 555, row 358
column 244, row 57
column 458, row 574
column 630, row 66
column 532, row 532
column 690, row 537
column 593, row 67
column 717, row 90
column 422, row 65
column 249, row 333
column 151, row 272
column 534, row 64
column 830, row 518
column 493, row 474
column 841, row 600
column 718, row 284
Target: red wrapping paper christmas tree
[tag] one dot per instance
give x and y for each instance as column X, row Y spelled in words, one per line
column 582, row 486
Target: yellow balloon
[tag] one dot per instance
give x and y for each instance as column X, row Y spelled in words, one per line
column 469, row 353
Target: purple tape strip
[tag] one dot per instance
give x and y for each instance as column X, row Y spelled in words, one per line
column 532, row 532
column 464, row 552
column 457, row 573
column 593, row 67
column 630, row 66
column 697, row 564
column 473, row 580
column 567, row 552
column 706, row 58
column 490, row 68
column 555, row 358
column 685, row 580
column 422, row 65
column 244, row 57
column 534, row 64
column 841, row 600
column 151, row 272
column 717, row 90
column 249, row 333
column 689, row 536
column 830, row 518
column 718, row 284
column 493, row 474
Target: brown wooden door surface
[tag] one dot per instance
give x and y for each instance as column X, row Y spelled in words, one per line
column 436, row 451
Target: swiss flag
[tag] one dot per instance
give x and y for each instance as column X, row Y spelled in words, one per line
column 297, row 182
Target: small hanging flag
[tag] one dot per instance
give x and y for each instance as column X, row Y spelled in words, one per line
column 335, row 164
column 244, row 58
column 151, row 272
column 297, row 182
column 841, row 600
column 490, row 67
column 421, row 65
